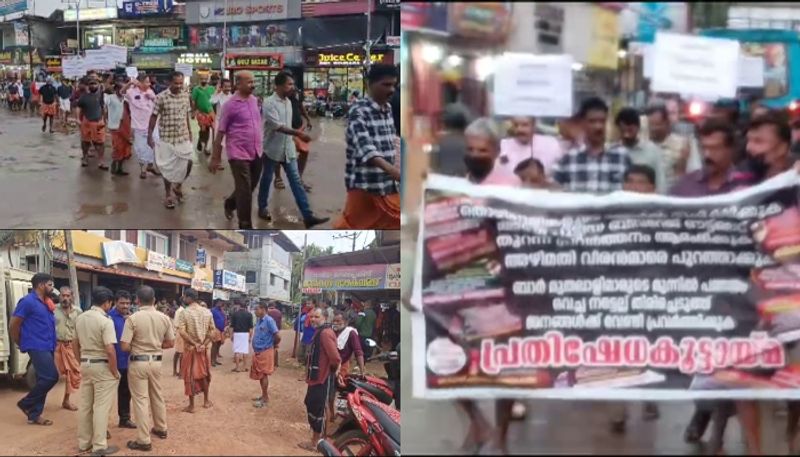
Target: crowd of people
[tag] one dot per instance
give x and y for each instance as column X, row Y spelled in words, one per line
column 115, row 348
column 733, row 150
column 259, row 136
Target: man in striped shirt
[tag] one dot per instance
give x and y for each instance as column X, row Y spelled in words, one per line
column 196, row 327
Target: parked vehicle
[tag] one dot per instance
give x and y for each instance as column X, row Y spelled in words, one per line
column 327, row 448
column 14, row 284
column 373, row 428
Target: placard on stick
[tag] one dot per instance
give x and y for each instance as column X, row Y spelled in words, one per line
column 533, row 85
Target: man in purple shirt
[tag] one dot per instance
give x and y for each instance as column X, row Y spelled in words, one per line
column 718, row 175
column 240, row 126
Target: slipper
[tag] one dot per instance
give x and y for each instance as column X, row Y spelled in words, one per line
column 280, row 185
column 84, row 162
column 143, row 175
column 70, row 407
column 40, row 421
column 169, row 204
column 103, row 166
column 307, row 446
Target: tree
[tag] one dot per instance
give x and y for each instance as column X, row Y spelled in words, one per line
column 298, row 265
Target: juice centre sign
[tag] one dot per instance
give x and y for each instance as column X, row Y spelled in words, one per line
column 345, row 59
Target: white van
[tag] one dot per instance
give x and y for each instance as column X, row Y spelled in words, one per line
column 14, row 284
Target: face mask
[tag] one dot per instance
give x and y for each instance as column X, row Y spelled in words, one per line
column 479, row 167
column 758, row 166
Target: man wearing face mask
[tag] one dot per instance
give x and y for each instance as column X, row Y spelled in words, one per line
column 527, row 144
column 483, row 148
column 768, row 142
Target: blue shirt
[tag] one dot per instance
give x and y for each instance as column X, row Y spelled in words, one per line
column 308, row 332
column 263, row 334
column 38, row 332
column 219, row 318
column 119, row 325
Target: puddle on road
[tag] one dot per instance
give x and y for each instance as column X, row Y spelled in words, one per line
column 102, row 210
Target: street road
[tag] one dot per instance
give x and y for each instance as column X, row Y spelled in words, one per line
column 232, row 427
column 43, row 185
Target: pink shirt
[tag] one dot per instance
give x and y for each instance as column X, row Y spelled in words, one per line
column 141, row 105
column 545, row 148
column 240, row 121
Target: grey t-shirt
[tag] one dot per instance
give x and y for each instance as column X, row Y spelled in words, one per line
column 91, row 106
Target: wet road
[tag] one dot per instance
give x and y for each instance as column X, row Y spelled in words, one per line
column 43, row 185
column 560, row 427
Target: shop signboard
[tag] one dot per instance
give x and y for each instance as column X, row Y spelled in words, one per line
column 314, row 8
column 311, row 290
column 229, row 280
column 151, row 61
column 184, row 266
column 604, row 39
column 263, row 35
column 261, row 61
column 91, row 14
column 429, row 16
column 157, row 45
column 201, row 257
column 202, row 285
column 393, row 276
column 115, row 252
column 219, row 11
column 21, row 34
column 393, row 41
column 345, row 59
column 139, row 8
column 6, row 57
column 387, row 5
column 52, row 63
column 484, row 20
column 346, row 277
column 195, row 58
column 156, row 261
column 12, row 6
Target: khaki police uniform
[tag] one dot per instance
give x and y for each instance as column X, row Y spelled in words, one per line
column 94, row 331
column 146, row 330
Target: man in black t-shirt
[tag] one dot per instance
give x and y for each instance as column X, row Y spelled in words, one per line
column 91, row 108
column 49, row 108
column 242, row 325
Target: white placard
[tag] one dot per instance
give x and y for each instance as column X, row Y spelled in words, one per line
column 533, row 85
column 132, row 72
column 185, row 68
column 696, row 65
column 72, row 66
column 98, row 59
column 116, row 54
column 751, row 71
column 647, row 60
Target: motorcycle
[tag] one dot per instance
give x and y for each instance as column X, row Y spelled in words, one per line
column 369, row 425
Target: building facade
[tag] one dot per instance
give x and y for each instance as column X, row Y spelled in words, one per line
column 267, row 265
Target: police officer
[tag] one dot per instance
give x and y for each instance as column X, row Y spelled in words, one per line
column 94, row 347
column 146, row 333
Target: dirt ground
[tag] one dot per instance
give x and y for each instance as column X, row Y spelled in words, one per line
column 231, row 427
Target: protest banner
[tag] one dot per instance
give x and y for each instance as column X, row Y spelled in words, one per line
column 533, row 85
column 751, row 71
column 185, row 68
column 116, row 54
column 529, row 293
column 132, row 72
column 98, row 59
column 689, row 64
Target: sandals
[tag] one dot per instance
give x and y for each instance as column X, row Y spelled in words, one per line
column 169, row 203
column 260, row 403
column 103, row 166
column 84, row 162
column 40, row 421
column 178, row 193
column 143, row 175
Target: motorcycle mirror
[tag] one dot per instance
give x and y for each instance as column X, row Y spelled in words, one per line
column 371, row 343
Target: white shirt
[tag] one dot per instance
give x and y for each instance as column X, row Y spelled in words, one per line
column 220, row 98
column 114, row 107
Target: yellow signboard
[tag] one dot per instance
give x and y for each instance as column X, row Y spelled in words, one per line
column 604, row 39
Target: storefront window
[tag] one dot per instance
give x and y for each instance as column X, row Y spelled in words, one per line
column 347, row 80
column 131, row 38
column 96, row 38
column 254, row 35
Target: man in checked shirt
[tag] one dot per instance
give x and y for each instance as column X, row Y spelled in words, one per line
column 372, row 173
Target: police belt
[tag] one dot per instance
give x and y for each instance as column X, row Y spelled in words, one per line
column 94, row 360
column 145, row 358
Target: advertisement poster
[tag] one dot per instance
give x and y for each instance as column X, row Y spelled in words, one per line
column 345, row 277
column 393, row 276
column 115, row 252
column 156, row 262
column 622, row 296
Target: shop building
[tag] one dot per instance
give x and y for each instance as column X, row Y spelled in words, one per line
column 263, row 36
column 126, row 259
column 266, row 266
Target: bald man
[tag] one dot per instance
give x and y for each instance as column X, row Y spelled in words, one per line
column 240, row 127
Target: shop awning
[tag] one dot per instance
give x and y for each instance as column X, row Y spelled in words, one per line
column 87, row 263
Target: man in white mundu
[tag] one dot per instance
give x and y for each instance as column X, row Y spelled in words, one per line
column 173, row 150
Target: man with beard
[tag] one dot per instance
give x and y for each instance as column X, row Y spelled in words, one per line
column 141, row 99
column 527, row 144
column 65, row 359
column 173, row 150
column 33, row 330
column 323, row 364
column 119, row 314
column 195, row 325
column 674, row 147
column 203, row 111
column 91, row 112
column 49, row 108
column 266, row 338
column 592, row 167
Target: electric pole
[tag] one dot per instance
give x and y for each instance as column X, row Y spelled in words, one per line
column 350, row 236
column 302, row 274
column 73, row 273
